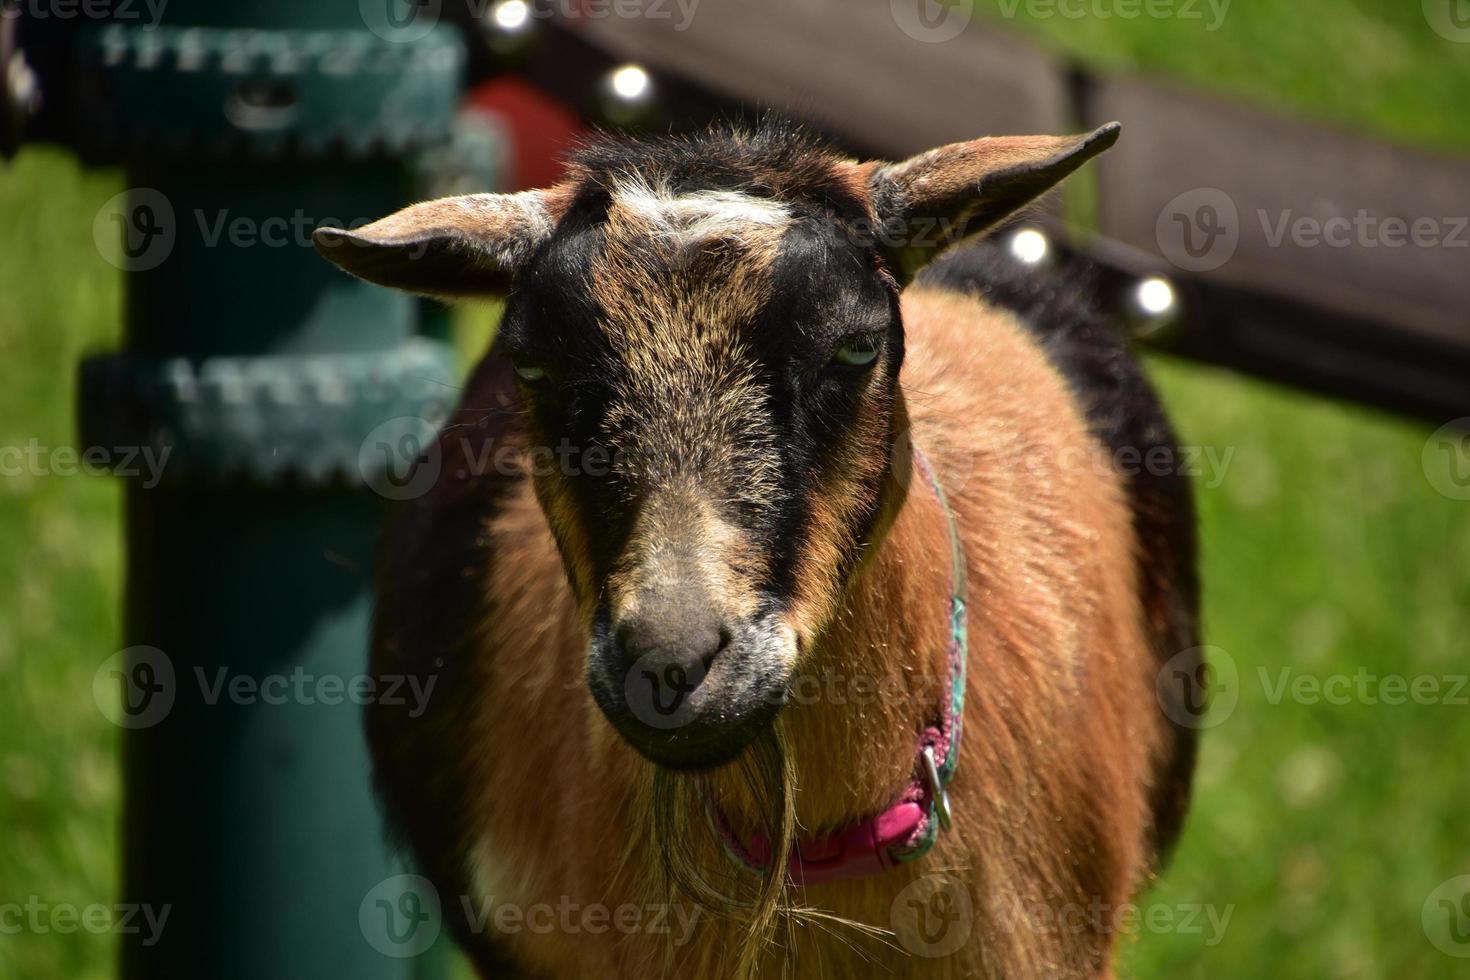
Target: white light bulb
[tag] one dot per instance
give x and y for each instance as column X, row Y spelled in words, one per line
column 1029, row 246
column 630, row 83
column 1155, row 296
column 512, row 15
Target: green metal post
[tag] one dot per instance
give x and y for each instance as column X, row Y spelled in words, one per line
column 262, row 372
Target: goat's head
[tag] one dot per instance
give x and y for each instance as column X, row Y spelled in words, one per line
column 711, row 325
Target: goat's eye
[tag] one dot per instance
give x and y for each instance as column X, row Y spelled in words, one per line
column 858, row 351
column 530, row 372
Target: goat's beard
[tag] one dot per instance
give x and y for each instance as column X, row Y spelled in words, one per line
column 691, row 863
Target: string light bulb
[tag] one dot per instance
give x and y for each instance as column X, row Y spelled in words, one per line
column 1029, row 246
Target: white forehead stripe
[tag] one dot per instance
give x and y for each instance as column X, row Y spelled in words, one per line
column 700, row 215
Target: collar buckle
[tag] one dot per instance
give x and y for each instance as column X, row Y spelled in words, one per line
column 937, row 791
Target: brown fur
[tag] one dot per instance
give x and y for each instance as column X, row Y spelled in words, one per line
column 1050, row 796
column 516, row 789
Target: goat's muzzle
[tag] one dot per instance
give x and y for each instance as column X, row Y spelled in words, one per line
column 685, row 687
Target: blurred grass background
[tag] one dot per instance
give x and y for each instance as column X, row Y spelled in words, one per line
column 1322, row 828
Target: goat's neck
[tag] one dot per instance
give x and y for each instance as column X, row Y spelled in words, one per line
column 880, row 672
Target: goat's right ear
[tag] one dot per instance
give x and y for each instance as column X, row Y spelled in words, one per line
column 453, row 247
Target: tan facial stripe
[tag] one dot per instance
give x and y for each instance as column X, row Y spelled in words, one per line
column 561, row 517
column 677, row 280
column 838, row 501
column 681, row 535
column 654, row 287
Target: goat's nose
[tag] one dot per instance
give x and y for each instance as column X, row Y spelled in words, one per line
column 681, row 633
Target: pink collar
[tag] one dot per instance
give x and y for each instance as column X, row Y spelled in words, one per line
column 908, row 828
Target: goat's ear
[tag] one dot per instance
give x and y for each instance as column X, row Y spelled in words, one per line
column 942, row 196
column 453, row 247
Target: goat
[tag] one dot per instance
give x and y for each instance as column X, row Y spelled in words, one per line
column 703, row 646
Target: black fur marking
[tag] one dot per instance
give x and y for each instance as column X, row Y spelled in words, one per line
column 1056, row 305
column 825, row 289
column 429, row 599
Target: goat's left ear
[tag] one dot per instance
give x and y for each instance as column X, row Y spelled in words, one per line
column 940, row 197
column 453, row 247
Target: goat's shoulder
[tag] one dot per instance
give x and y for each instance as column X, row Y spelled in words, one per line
column 1010, row 338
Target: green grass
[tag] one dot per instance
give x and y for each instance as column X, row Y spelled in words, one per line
column 1326, row 551
column 60, row 566
column 1322, row 828
column 1372, row 66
